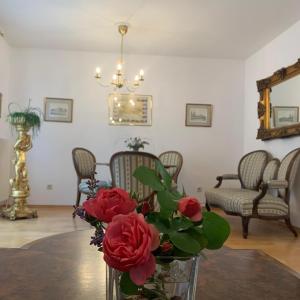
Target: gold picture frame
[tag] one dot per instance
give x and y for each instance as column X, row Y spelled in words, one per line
column 58, row 110
column 130, row 110
column 198, row 115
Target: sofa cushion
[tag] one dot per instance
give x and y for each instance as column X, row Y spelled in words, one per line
column 240, row 201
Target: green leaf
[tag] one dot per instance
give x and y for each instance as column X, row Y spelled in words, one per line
column 198, row 235
column 127, row 286
column 163, row 225
column 166, row 177
column 181, row 224
column 148, row 177
column 166, row 203
column 185, row 242
column 216, row 230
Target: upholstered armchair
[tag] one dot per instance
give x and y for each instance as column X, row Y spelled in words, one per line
column 122, row 167
column 262, row 203
column 172, row 160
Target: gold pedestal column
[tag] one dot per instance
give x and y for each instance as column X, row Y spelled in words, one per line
column 20, row 190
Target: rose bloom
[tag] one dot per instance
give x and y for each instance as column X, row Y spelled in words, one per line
column 191, row 208
column 109, row 203
column 127, row 246
column 166, row 246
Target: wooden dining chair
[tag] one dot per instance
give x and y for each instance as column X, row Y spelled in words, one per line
column 172, row 160
column 85, row 167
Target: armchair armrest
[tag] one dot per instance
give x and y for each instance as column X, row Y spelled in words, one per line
column 101, row 164
column 226, row 177
column 277, row 184
column 272, row 184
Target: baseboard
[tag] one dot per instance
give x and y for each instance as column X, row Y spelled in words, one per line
column 49, row 206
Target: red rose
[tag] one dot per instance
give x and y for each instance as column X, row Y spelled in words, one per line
column 166, row 246
column 127, row 246
column 109, row 203
column 190, row 207
column 145, row 208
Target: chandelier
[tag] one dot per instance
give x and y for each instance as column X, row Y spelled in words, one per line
column 119, row 79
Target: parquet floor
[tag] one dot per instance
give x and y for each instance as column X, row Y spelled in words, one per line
column 271, row 237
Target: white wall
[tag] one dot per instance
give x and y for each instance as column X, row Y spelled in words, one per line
column 281, row 52
column 172, row 82
column 5, row 142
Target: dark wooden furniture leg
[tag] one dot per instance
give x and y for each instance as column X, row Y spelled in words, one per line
column 290, row 226
column 245, row 223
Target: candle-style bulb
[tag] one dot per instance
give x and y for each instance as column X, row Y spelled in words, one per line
column 136, row 78
column 141, row 72
column 98, row 70
column 119, row 67
column 114, row 77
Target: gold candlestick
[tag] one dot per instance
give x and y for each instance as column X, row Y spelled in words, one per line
column 20, row 189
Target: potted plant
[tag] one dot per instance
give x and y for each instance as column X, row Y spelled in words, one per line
column 22, row 120
column 28, row 118
column 152, row 254
column 136, row 143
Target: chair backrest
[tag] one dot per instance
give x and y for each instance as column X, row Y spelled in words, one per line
column 271, row 170
column 84, row 163
column 251, row 168
column 122, row 166
column 285, row 171
column 172, row 158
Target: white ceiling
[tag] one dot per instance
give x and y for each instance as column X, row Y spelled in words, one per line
column 202, row 28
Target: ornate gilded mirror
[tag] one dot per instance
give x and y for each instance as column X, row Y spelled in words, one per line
column 278, row 106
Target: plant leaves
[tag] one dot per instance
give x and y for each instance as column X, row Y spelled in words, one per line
column 166, row 203
column 166, row 177
column 163, row 225
column 148, row 177
column 216, row 230
column 185, row 242
column 181, row 223
column 198, row 235
column 127, row 286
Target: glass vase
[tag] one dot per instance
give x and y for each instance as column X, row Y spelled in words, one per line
column 175, row 278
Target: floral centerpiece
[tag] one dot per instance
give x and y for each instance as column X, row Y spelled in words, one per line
column 143, row 244
column 135, row 143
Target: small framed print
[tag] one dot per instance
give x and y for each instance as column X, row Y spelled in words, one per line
column 285, row 115
column 199, row 115
column 58, row 110
column 130, row 109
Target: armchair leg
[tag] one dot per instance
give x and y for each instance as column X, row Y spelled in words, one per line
column 290, row 227
column 78, row 198
column 207, row 206
column 245, row 223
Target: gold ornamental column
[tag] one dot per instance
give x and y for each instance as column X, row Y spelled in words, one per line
column 20, row 189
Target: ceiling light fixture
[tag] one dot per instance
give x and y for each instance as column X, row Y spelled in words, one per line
column 119, row 79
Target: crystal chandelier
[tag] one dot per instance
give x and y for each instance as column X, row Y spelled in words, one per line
column 118, row 79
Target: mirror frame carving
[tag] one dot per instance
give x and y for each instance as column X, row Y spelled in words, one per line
column 264, row 107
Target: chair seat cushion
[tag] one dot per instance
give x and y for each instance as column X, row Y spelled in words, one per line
column 240, row 201
column 84, row 187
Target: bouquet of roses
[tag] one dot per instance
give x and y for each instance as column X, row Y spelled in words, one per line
column 134, row 238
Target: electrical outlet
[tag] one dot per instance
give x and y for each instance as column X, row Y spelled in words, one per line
column 49, row 187
column 199, row 189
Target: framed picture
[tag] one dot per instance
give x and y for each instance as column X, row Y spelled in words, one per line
column 198, row 115
column 58, row 110
column 0, row 104
column 130, row 109
column 285, row 115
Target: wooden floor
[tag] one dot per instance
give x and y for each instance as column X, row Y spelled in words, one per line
column 271, row 237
